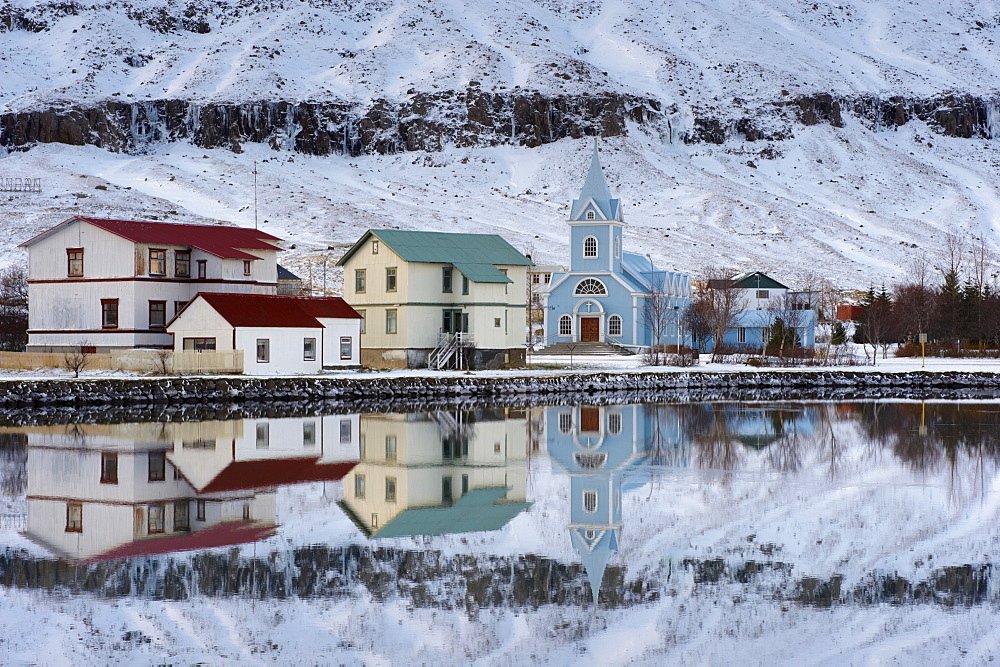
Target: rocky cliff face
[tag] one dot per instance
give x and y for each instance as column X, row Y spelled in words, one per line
column 471, row 117
column 423, row 122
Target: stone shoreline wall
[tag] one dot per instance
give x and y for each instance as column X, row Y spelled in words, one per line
column 198, row 395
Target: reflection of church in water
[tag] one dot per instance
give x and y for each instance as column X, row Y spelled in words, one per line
column 599, row 447
column 105, row 491
column 438, row 473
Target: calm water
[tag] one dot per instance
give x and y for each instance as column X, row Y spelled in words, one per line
column 706, row 533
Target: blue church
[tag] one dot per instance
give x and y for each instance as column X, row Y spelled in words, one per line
column 605, row 295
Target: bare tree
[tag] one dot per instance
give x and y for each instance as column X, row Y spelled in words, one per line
column 721, row 302
column 787, row 317
column 13, row 308
column 657, row 312
column 77, row 359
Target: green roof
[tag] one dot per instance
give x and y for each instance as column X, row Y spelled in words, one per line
column 749, row 281
column 477, row 510
column 476, row 256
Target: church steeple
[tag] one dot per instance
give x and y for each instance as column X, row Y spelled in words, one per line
column 595, row 197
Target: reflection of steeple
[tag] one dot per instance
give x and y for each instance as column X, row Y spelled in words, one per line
column 596, row 190
column 594, row 547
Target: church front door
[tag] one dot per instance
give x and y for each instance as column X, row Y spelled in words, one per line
column 590, row 329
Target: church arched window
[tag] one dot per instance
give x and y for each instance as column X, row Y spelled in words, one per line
column 590, row 246
column 590, row 215
column 615, row 325
column 618, row 247
column 565, row 325
column 591, row 286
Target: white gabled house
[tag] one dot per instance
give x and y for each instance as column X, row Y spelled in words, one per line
column 277, row 334
column 116, row 283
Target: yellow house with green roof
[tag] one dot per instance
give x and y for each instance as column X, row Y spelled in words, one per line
column 437, row 299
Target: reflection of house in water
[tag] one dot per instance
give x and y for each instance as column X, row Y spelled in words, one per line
column 596, row 446
column 438, row 473
column 758, row 426
column 113, row 491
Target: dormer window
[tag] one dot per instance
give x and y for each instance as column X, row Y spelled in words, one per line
column 590, row 246
column 590, row 215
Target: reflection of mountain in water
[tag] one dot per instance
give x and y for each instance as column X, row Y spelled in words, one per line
column 111, row 491
column 438, row 473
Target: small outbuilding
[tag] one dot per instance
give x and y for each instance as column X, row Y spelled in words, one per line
column 277, row 334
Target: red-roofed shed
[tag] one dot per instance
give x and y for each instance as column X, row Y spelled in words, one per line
column 277, row 334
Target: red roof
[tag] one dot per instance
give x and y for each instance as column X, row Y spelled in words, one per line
column 268, row 310
column 220, row 535
column 219, row 240
column 267, row 473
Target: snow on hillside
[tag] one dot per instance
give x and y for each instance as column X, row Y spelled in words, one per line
column 856, row 204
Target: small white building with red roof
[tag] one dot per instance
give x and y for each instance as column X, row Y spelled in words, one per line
column 278, row 335
column 116, row 283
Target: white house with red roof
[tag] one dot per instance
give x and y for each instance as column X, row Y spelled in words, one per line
column 278, row 335
column 116, row 283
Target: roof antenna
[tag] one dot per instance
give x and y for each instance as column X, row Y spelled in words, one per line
column 255, row 194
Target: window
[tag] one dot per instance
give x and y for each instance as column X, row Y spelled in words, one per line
column 182, row 515
column 182, row 264
column 199, row 344
column 201, row 510
column 359, row 486
column 763, row 294
column 309, row 434
column 154, row 522
column 74, row 518
column 263, row 435
column 615, row 325
column 507, row 284
column 590, row 501
column 360, row 284
column 565, row 325
column 390, row 489
column 375, row 247
column 390, row 448
column 246, row 511
column 590, row 460
column 263, row 350
column 536, row 278
column 446, row 496
column 198, row 443
column 74, row 262
column 246, row 267
column 390, row 279
column 465, row 285
column 109, row 468
column 618, row 247
column 364, row 320
column 590, row 247
column 179, row 306
column 614, row 423
column 157, row 467
column 496, row 322
column 465, row 484
column 345, row 430
column 309, row 349
column 346, row 348
column 390, row 321
column 157, row 314
column 202, row 269
column 591, row 215
column 109, row 313
column 591, row 286
column 565, row 422
column 741, row 334
column 157, row 262
column 446, row 275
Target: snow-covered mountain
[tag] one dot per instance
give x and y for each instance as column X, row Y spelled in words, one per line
column 810, row 139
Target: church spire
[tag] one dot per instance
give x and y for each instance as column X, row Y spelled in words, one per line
column 595, row 192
